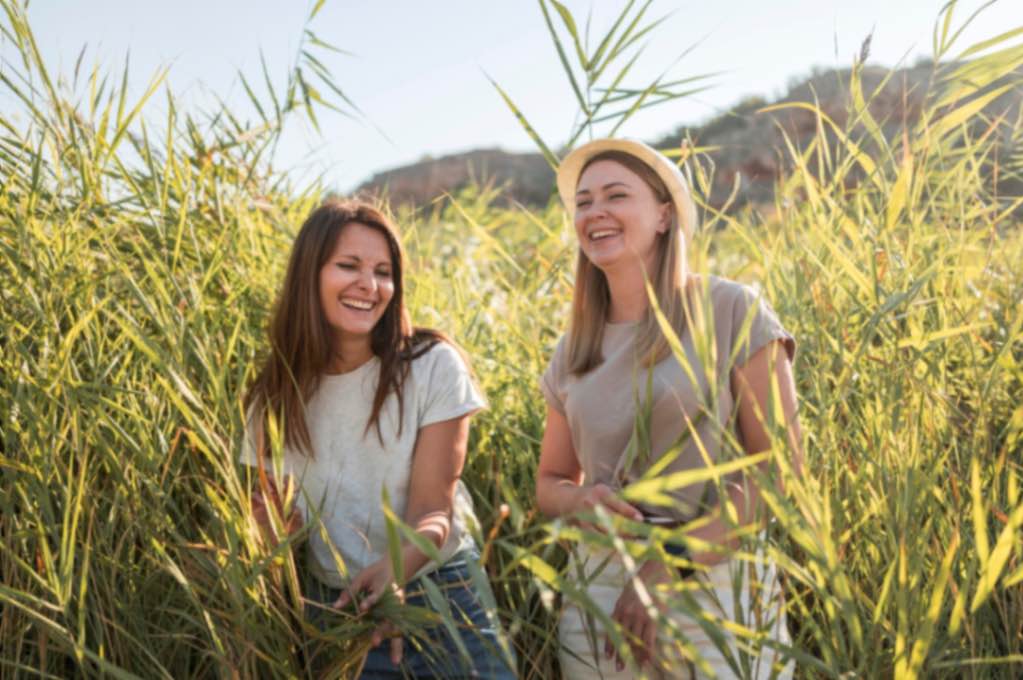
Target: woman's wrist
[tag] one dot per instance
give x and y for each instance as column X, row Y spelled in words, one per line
column 655, row 571
column 413, row 559
column 576, row 500
column 560, row 497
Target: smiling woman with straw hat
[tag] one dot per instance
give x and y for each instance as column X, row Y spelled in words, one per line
column 622, row 406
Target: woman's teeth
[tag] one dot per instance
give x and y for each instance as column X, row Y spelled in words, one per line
column 603, row 233
column 361, row 305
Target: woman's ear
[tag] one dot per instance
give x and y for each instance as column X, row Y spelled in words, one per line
column 664, row 222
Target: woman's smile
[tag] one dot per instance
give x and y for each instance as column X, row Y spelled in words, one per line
column 358, row 305
column 603, row 234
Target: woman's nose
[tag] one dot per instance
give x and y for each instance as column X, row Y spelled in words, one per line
column 594, row 211
column 367, row 281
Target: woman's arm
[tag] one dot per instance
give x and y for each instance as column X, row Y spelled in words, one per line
column 265, row 504
column 268, row 509
column 752, row 384
column 559, row 487
column 436, row 467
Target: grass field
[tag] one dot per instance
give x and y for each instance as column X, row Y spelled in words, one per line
column 140, row 256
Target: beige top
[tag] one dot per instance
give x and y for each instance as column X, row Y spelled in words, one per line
column 601, row 405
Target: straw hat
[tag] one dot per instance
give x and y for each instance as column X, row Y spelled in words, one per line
column 571, row 167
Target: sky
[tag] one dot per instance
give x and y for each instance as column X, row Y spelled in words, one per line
column 419, row 70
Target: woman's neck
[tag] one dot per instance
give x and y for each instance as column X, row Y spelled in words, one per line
column 627, row 289
column 349, row 354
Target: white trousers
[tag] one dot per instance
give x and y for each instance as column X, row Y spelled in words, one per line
column 726, row 593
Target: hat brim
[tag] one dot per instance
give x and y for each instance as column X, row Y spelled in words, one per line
column 571, row 167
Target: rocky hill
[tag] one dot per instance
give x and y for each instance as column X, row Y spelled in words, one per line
column 749, row 147
column 526, row 177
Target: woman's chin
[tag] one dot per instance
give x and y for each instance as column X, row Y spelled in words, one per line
column 604, row 257
column 353, row 331
column 612, row 261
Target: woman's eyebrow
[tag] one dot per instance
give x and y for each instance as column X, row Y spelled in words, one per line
column 356, row 258
column 605, row 187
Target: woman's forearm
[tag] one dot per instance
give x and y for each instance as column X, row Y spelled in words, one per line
column 434, row 526
column 557, row 496
column 721, row 535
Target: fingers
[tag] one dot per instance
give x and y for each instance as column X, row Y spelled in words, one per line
column 643, row 642
column 396, row 650
column 370, row 600
column 348, row 595
column 639, row 630
column 387, row 631
column 601, row 494
column 624, row 509
column 617, row 615
column 649, row 638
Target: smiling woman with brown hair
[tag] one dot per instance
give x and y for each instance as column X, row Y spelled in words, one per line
column 633, row 213
column 370, row 405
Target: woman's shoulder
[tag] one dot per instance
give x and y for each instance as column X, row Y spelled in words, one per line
column 721, row 291
column 725, row 296
column 743, row 314
column 442, row 382
column 435, row 354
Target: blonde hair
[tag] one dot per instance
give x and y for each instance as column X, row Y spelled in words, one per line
column 591, row 298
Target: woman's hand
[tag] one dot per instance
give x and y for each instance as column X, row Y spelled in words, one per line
column 268, row 496
column 634, row 616
column 560, row 491
column 370, row 584
column 589, row 498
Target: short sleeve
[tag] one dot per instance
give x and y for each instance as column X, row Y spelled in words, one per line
column 755, row 324
column 552, row 382
column 449, row 390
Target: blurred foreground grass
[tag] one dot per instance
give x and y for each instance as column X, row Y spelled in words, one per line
column 139, row 260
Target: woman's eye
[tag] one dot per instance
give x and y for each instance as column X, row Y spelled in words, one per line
column 582, row 204
column 383, row 273
column 345, row 265
column 616, row 196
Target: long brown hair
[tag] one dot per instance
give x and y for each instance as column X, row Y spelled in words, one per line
column 591, row 299
column 300, row 338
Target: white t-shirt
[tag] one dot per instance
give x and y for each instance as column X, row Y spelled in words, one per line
column 345, row 479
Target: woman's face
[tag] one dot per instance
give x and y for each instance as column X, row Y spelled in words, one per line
column 617, row 215
column 356, row 282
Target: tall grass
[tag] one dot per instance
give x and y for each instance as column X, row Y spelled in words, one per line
column 140, row 258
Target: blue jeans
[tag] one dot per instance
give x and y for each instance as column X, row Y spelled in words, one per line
column 434, row 654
